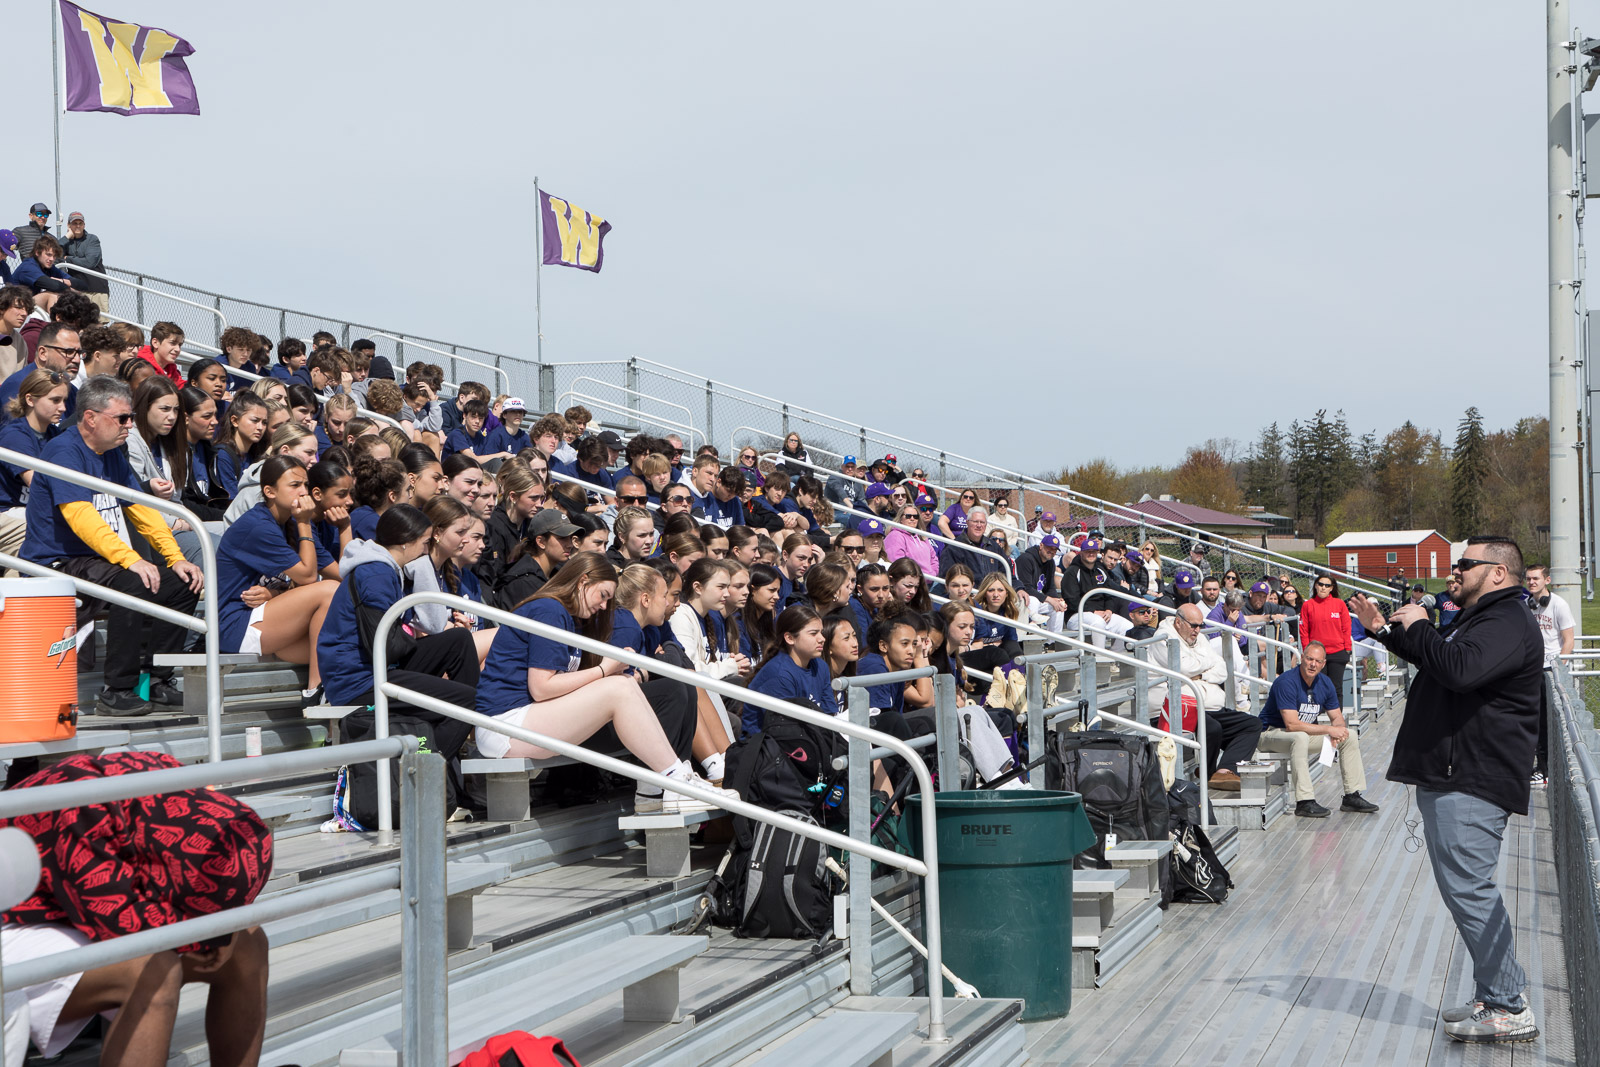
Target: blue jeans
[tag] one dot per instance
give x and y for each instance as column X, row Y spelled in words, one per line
column 1464, row 834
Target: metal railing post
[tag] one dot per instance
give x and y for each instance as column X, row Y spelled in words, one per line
column 944, row 718
column 630, row 383
column 425, row 988
column 1088, row 687
column 1141, row 682
column 860, row 712
column 547, row 387
column 711, row 394
column 1038, row 737
column 1230, row 688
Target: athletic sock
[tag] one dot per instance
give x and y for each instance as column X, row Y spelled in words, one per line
column 714, row 767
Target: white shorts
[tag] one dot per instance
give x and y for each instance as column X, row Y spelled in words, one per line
column 36, row 1011
column 494, row 745
column 250, row 643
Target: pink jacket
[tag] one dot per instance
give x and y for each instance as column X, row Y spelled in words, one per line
column 904, row 543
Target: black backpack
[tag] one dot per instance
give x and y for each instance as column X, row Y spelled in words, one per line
column 772, row 883
column 1198, row 876
column 363, row 777
column 1119, row 779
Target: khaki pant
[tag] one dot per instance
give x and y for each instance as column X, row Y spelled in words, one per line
column 13, row 530
column 1299, row 747
column 101, row 301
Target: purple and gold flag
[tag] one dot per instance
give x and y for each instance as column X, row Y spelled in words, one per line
column 572, row 236
column 124, row 68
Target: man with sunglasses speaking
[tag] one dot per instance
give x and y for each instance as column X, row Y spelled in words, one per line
column 84, row 533
column 58, row 351
column 1467, row 745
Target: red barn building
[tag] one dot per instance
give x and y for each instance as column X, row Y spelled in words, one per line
column 1382, row 553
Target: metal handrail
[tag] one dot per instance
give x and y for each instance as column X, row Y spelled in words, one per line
column 419, row 876
column 635, row 415
column 208, row 568
column 929, row 482
column 1115, row 657
column 123, row 281
column 439, row 351
column 927, row 868
column 687, row 414
column 591, row 487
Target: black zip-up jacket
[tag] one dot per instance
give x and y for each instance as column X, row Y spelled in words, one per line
column 500, row 538
column 1472, row 719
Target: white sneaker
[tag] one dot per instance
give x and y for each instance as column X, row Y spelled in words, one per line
column 1462, row 1013
column 672, row 803
column 1495, row 1024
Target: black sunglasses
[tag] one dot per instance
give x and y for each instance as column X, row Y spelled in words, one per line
column 632, row 499
column 677, row 500
column 1465, row 564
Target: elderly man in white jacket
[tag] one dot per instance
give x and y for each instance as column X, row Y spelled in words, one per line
column 1230, row 735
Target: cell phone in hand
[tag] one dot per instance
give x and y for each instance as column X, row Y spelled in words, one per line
column 275, row 583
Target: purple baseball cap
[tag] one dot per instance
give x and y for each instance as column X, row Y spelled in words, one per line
column 1048, row 516
column 1134, row 556
column 1261, row 587
column 871, row 528
column 8, row 242
column 1050, row 541
column 1090, row 544
column 877, row 489
column 1184, row 581
column 926, row 501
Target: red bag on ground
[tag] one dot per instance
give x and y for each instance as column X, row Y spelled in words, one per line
column 521, row 1049
column 1191, row 710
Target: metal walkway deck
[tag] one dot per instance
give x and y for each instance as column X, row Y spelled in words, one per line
column 1335, row 949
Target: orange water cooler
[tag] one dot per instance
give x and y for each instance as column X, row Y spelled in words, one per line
column 38, row 660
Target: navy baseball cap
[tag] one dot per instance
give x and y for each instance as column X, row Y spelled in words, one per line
column 1185, row 580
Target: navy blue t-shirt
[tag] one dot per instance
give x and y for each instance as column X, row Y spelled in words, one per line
column 364, row 523
column 346, row 672
column 863, row 619
column 49, row 538
column 1290, row 691
column 253, row 547
column 724, row 513
column 503, row 685
column 328, row 548
column 988, row 630
column 500, row 439
column 784, row 679
column 229, row 468
column 459, row 440
column 890, row 697
column 600, row 479
column 20, row 436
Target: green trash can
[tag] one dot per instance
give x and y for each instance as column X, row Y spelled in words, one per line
column 1005, row 890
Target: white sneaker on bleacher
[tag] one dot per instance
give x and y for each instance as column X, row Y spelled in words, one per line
column 671, row 803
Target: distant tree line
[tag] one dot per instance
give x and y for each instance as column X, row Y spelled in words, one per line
column 1329, row 480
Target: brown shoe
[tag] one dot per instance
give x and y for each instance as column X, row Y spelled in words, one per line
column 1225, row 782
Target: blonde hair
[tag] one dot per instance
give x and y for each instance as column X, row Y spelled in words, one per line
column 263, row 387
column 634, row 582
column 287, row 436
column 654, row 463
column 395, row 438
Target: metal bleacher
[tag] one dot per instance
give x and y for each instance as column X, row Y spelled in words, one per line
column 556, row 920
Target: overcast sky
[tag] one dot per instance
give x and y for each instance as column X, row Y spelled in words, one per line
column 1039, row 232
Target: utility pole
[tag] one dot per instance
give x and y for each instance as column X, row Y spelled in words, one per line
column 1561, row 88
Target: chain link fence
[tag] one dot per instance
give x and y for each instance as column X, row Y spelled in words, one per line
column 636, row 395
column 1574, row 798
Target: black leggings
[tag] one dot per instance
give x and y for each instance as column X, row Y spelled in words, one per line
column 1337, row 662
column 981, row 662
column 454, row 653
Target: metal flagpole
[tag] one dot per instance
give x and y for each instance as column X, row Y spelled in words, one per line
column 55, row 84
column 1562, row 202
column 538, row 265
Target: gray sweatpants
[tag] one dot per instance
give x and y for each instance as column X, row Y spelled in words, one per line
column 1464, row 834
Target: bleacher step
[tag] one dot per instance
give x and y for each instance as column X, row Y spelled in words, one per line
column 841, row 1038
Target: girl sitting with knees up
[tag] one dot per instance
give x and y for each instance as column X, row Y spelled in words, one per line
column 269, row 599
column 541, row 684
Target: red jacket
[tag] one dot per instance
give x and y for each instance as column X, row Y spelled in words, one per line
column 1326, row 620
column 149, row 356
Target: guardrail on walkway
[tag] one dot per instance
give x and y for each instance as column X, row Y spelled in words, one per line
column 420, row 877
column 1574, row 798
column 927, row 868
column 208, row 566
